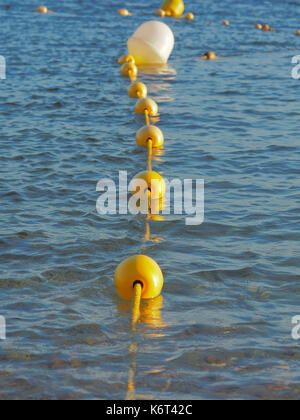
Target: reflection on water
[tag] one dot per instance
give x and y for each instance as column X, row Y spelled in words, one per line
column 158, row 80
column 165, row 70
column 151, row 324
column 151, row 317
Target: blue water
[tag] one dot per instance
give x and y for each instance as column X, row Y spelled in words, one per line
column 222, row 328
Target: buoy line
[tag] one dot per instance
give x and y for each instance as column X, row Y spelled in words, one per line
column 140, row 276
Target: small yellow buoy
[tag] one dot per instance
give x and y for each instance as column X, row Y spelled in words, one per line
column 226, row 23
column 126, row 59
column 42, row 9
column 258, row 26
column 156, row 183
column 124, row 12
column 142, row 269
column 266, row 28
column 138, row 90
column 210, row 55
column 146, row 104
column 160, row 12
column 298, row 33
column 150, row 132
column 272, row 30
column 190, row 16
column 129, row 69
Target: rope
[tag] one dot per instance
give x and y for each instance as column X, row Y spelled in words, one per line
column 132, row 78
column 137, row 295
column 147, row 117
column 149, row 154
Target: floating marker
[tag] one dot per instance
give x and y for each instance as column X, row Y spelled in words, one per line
column 152, row 43
column 139, row 269
column 173, row 7
column 138, row 90
column 150, row 132
column 146, row 104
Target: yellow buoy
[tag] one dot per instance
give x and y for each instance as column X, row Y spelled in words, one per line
column 160, row 12
column 155, row 182
column 226, row 23
column 129, row 69
column 150, row 132
column 126, row 59
column 266, row 28
column 139, row 269
column 42, row 9
column 124, row 12
column 210, row 55
column 190, row 16
column 146, row 104
column 137, row 90
column 258, row 26
column 173, row 7
column 298, row 33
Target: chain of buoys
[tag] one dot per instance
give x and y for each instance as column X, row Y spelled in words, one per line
column 172, row 8
column 139, row 276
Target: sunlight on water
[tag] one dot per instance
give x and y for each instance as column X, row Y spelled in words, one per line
column 222, row 328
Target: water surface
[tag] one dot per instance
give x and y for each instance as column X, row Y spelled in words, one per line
column 222, row 328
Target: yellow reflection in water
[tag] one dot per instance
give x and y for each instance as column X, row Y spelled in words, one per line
column 150, row 315
column 162, row 89
column 151, row 323
column 158, row 70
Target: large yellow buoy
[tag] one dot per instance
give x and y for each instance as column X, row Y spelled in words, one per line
column 141, row 269
column 146, row 104
column 150, row 132
column 137, row 90
column 173, row 7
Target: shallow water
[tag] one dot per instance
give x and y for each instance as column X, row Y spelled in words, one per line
column 222, row 328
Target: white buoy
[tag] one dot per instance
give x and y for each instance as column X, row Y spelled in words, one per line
column 152, row 43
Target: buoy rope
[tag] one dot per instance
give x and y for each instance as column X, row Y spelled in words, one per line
column 137, row 295
column 147, row 117
column 149, row 142
column 131, row 76
column 140, row 93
